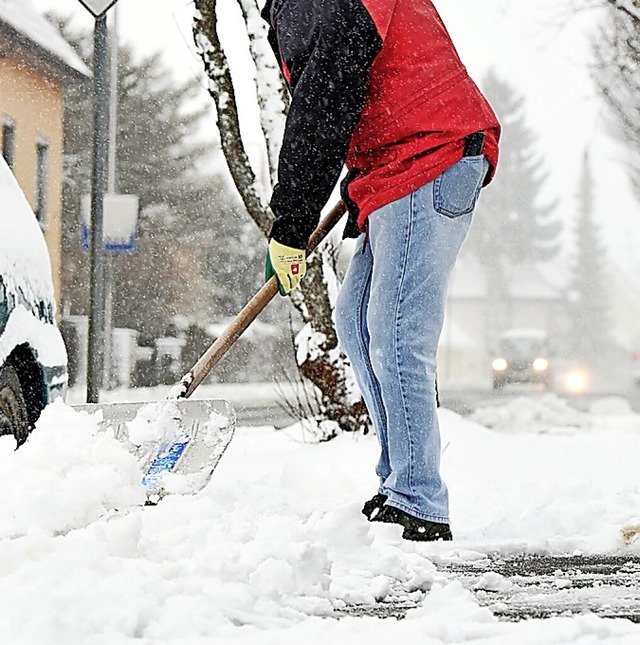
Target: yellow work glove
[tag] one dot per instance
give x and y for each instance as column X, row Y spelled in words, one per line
column 287, row 263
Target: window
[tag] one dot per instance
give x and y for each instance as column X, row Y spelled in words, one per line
column 9, row 141
column 42, row 180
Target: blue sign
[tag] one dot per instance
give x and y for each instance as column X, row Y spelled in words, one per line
column 120, row 223
column 109, row 247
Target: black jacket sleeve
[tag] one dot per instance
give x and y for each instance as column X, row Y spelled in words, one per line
column 326, row 47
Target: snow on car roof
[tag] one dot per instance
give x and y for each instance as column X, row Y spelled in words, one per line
column 21, row 15
column 24, row 259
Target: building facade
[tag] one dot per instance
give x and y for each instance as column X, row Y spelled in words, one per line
column 36, row 64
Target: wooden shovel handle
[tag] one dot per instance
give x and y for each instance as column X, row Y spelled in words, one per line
column 249, row 313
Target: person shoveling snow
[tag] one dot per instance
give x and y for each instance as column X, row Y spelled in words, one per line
column 419, row 140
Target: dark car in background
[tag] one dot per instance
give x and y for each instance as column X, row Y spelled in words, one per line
column 33, row 359
column 523, row 356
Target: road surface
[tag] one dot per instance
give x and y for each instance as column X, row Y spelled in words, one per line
column 537, row 586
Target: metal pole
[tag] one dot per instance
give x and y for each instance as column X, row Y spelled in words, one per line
column 113, row 100
column 98, row 186
column 111, row 189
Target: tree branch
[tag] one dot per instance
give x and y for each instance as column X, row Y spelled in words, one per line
column 221, row 89
column 273, row 97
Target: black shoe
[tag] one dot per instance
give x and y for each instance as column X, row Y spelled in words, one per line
column 389, row 515
column 415, row 529
column 371, row 509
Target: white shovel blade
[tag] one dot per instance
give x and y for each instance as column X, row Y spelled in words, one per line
column 171, row 437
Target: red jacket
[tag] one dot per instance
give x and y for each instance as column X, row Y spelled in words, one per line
column 420, row 105
column 379, row 85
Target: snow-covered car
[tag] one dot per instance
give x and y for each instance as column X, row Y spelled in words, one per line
column 33, row 358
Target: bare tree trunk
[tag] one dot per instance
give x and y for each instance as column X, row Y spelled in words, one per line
column 273, row 98
column 222, row 91
column 630, row 8
column 326, row 367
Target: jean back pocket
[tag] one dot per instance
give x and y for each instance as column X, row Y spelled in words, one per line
column 456, row 190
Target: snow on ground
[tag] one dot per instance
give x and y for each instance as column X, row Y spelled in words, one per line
column 276, row 541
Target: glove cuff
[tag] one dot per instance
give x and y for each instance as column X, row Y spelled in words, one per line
column 294, row 233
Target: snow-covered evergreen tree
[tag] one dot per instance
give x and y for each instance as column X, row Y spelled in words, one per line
column 588, row 290
column 190, row 224
column 514, row 223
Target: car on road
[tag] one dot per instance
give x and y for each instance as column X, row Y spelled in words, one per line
column 523, row 357
column 33, row 359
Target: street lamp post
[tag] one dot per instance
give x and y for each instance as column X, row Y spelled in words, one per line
column 98, row 188
column 111, row 190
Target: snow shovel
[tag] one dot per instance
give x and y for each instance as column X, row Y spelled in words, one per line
column 180, row 441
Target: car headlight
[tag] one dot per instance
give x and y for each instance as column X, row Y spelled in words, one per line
column 499, row 364
column 540, row 364
column 576, row 381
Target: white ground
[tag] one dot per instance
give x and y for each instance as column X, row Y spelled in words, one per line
column 276, row 540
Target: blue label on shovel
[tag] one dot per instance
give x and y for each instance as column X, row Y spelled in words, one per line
column 163, row 463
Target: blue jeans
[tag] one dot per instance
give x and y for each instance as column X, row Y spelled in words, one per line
column 389, row 317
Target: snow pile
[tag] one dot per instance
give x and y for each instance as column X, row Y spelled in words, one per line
column 276, row 544
column 156, row 422
column 612, row 406
column 564, row 490
column 548, row 413
column 250, row 551
column 312, row 430
column 66, row 476
column 551, row 414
